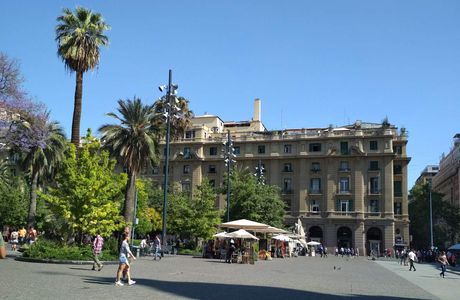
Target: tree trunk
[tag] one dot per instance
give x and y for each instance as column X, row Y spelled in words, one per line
column 33, row 199
column 129, row 197
column 77, row 109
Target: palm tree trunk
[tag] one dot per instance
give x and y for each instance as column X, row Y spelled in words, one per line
column 77, row 109
column 33, row 199
column 129, row 197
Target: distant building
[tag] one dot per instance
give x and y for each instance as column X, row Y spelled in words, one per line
column 447, row 181
column 348, row 184
column 427, row 174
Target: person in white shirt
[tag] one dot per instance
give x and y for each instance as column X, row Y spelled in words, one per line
column 412, row 258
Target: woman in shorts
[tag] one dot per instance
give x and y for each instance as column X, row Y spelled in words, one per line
column 125, row 254
column 14, row 239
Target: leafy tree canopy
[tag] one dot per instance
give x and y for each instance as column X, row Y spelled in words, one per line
column 88, row 194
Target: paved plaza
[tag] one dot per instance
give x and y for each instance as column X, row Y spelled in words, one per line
column 183, row 277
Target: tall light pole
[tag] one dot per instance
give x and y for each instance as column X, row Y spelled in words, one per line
column 170, row 108
column 228, row 158
column 431, row 218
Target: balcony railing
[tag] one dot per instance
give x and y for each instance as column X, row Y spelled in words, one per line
column 315, row 192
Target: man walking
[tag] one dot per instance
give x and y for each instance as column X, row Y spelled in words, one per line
column 97, row 248
column 443, row 260
column 412, row 258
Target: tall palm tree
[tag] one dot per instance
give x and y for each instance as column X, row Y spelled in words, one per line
column 42, row 160
column 79, row 36
column 180, row 122
column 134, row 142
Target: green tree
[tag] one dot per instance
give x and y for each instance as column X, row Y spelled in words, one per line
column 205, row 216
column 88, row 194
column 5, row 174
column 446, row 218
column 41, row 159
column 180, row 212
column 14, row 202
column 134, row 143
column 254, row 201
column 79, row 36
column 149, row 217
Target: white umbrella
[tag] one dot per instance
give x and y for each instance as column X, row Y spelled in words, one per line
column 271, row 229
column 313, row 243
column 221, row 235
column 454, row 247
column 244, row 224
column 241, row 234
column 282, row 237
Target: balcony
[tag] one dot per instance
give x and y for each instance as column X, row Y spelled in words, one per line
column 287, row 191
column 315, row 192
column 373, row 214
column 344, row 170
column 346, row 214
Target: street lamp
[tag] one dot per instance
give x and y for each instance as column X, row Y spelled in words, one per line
column 260, row 170
column 170, row 110
column 431, row 217
column 229, row 154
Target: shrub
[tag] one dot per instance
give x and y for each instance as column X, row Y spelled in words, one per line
column 47, row 249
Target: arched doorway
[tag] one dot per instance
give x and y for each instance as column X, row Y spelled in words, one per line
column 374, row 241
column 344, row 237
column 315, row 233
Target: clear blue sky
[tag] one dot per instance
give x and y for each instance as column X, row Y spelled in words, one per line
column 313, row 63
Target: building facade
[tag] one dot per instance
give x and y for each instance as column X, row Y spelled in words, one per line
column 348, row 185
column 447, row 181
column 426, row 176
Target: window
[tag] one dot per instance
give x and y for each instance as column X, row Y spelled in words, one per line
column 397, row 188
column 236, row 150
column 344, row 148
column 315, row 185
column 374, row 185
column 261, row 149
column 397, row 149
column 287, row 167
column 190, row 134
column 397, row 169
column 374, row 206
column 344, row 166
column 13, row 172
column 374, row 165
column 398, row 208
column 344, row 185
column 314, row 147
column 211, row 169
column 287, row 149
column 187, row 152
column 213, row 151
column 315, row 167
column 164, row 151
column 186, row 186
column 344, row 205
column 373, row 145
column 155, row 170
column 314, row 206
column 186, row 169
column 287, row 185
column 212, row 183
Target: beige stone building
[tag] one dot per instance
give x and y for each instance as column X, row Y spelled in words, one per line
column 447, row 180
column 426, row 176
column 347, row 184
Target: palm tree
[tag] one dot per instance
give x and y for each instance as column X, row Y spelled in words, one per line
column 79, row 36
column 42, row 160
column 180, row 122
column 5, row 174
column 134, row 142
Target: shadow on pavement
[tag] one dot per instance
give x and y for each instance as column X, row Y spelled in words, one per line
column 212, row 291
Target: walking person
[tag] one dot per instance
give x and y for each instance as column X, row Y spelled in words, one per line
column 443, row 260
column 412, row 258
column 157, row 244
column 22, row 235
column 98, row 242
column 123, row 265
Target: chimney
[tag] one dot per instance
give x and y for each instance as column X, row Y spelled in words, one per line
column 257, row 110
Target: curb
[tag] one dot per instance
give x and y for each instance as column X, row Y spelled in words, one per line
column 59, row 261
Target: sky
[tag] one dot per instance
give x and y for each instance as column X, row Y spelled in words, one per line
column 312, row 63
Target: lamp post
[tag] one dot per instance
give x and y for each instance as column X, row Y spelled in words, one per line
column 228, row 158
column 431, row 218
column 169, row 109
column 260, row 170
